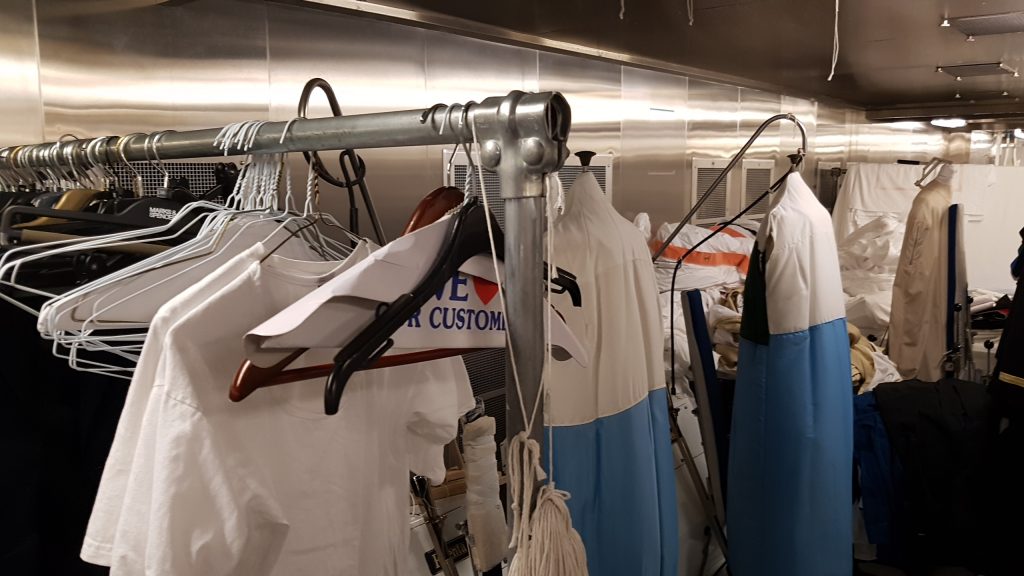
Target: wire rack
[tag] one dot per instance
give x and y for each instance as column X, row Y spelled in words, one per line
column 200, row 175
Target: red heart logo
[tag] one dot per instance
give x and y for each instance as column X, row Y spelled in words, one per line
column 485, row 289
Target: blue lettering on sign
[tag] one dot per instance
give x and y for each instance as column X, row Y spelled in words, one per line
column 457, row 318
column 414, row 320
column 457, row 281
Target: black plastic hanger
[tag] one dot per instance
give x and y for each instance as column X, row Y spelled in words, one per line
column 467, row 236
column 145, row 212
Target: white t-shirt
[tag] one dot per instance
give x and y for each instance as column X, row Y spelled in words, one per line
column 272, row 485
column 106, row 510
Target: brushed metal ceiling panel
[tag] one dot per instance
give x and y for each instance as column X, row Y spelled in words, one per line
column 888, row 50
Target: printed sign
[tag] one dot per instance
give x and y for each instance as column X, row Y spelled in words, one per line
column 464, row 313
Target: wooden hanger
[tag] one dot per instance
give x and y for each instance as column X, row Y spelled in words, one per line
column 433, row 207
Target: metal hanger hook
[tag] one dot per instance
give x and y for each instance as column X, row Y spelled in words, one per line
column 156, row 154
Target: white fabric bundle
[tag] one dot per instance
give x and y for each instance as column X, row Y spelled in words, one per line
column 545, row 541
column 486, row 517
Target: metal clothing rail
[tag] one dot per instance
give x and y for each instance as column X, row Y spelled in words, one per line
column 522, row 138
column 732, row 164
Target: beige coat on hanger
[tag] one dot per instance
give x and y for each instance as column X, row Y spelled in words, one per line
column 917, row 326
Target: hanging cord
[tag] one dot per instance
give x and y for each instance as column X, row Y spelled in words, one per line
column 622, row 9
column 545, row 541
column 835, row 44
column 689, row 10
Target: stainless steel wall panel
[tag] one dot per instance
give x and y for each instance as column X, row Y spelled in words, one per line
column 373, row 67
column 653, row 173
column 712, row 112
column 461, row 69
column 807, row 112
column 712, row 131
column 594, row 90
column 894, row 141
column 756, row 107
column 115, row 69
column 833, row 135
column 21, row 109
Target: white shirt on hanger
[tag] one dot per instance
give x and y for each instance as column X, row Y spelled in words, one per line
column 272, row 485
column 106, row 510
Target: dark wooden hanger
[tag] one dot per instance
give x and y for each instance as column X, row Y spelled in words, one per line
column 433, row 207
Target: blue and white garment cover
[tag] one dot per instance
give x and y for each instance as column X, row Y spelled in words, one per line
column 609, row 420
column 789, row 500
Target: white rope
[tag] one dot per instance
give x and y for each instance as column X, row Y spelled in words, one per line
column 622, row 9
column 835, row 44
column 689, row 10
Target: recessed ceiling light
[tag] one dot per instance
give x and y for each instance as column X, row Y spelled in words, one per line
column 970, row 38
column 949, row 122
column 1005, row 93
column 957, row 96
column 959, row 79
column 945, row 23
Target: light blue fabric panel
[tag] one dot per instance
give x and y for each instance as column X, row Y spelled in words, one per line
column 791, row 453
column 620, row 470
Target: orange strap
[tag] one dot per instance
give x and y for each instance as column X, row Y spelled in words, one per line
column 738, row 261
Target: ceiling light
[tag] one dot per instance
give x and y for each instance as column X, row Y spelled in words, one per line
column 970, row 38
column 1005, row 93
column 949, row 122
column 959, row 79
column 1018, row 134
column 957, row 96
column 1016, row 74
column 976, row 69
column 1005, row 23
column 945, row 23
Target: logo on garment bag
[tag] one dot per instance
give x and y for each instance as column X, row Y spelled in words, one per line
column 162, row 213
column 464, row 303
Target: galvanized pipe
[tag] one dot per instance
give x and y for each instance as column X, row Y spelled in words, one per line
column 382, row 130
